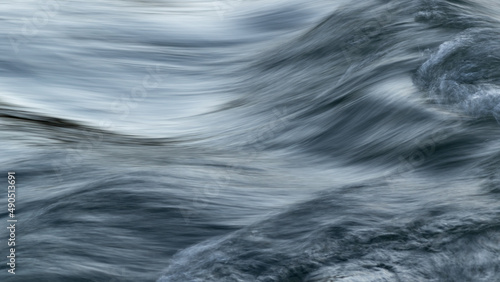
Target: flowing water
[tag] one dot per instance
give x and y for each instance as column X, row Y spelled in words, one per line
column 244, row 140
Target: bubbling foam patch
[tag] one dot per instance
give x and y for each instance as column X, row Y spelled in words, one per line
column 464, row 73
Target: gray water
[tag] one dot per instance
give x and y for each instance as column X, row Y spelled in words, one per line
column 252, row 140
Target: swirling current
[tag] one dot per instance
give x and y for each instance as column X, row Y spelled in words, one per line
column 232, row 140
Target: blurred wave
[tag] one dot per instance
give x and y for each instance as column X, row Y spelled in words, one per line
column 253, row 140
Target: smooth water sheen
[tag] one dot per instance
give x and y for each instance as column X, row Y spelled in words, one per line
column 230, row 140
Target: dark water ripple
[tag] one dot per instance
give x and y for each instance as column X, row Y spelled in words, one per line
column 253, row 141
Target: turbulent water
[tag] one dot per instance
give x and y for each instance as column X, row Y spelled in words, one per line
column 241, row 140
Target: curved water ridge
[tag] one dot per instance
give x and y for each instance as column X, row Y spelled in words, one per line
column 379, row 70
column 267, row 141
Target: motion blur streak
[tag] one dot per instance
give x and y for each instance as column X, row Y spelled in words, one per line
column 262, row 140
